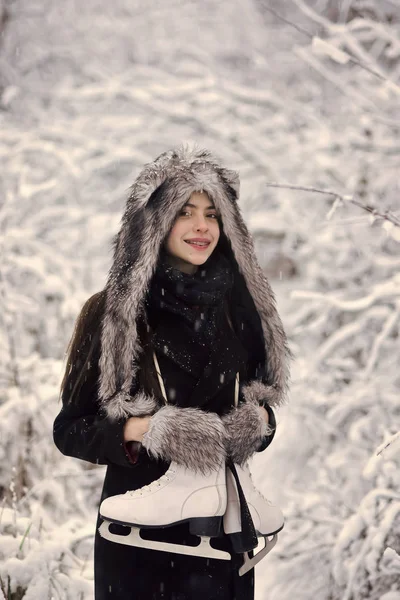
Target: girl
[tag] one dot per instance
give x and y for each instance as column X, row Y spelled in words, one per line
column 186, row 313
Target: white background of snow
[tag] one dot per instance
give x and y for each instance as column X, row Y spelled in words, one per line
column 89, row 92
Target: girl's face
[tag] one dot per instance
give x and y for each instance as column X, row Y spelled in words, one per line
column 194, row 234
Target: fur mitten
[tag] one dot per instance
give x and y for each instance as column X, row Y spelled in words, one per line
column 245, row 426
column 191, row 437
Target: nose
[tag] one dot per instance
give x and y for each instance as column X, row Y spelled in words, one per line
column 200, row 223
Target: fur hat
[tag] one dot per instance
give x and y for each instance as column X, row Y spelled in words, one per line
column 159, row 192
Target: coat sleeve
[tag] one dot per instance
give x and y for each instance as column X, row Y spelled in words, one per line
column 82, row 430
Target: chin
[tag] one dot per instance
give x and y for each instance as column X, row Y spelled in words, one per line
column 198, row 260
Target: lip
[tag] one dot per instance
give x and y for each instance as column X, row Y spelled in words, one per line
column 198, row 248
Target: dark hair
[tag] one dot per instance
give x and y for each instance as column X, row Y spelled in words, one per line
column 84, row 348
column 84, row 342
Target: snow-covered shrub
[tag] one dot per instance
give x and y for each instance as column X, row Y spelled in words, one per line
column 36, row 563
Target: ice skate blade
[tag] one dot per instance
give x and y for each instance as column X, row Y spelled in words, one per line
column 203, row 550
column 250, row 563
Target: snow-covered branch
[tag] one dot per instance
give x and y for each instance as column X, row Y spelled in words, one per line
column 375, row 212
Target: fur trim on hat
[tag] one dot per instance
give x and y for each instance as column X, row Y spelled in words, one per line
column 190, row 437
column 245, row 429
column 145, row 224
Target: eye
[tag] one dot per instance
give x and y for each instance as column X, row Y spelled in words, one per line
column 185, row 213
column 213, row 216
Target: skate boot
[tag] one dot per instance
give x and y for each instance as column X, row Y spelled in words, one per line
column 180, row 495
column 266, row 518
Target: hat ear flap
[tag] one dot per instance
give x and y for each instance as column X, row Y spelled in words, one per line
column 232, row 179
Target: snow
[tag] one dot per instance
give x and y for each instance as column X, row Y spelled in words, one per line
column 89, row 93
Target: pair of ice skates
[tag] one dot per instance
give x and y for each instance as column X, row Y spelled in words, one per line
column 206, row 501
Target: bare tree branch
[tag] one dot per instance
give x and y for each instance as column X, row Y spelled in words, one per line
column 388, row 215
column 327, row 24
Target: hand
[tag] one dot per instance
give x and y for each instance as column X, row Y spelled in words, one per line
column 135, row 428
column 264, row 414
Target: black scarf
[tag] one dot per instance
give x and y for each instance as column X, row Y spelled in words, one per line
column 186, row 311
column 198, row 298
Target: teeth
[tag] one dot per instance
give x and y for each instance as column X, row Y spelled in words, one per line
column 199, row 243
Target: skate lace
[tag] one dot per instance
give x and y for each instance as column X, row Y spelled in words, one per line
column 260, row 494
column 153, row 485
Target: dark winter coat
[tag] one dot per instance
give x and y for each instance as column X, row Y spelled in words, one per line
column 122, row 572
column 91, row 427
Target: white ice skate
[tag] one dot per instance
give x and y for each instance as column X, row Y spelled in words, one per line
column 180, row 495
column 267, row 518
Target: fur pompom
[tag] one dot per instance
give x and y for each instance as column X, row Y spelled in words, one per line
column 245, row 429
column 122, row 405
column 191, row 437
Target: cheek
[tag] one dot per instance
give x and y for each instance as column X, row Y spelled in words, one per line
column 216, row 232
column 174, row 236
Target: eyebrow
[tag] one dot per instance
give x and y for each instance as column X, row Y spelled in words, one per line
column 211, row 207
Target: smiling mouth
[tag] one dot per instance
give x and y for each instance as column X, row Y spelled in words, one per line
column 198, row 245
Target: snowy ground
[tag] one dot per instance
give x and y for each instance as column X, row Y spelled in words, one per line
column 89, row 92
